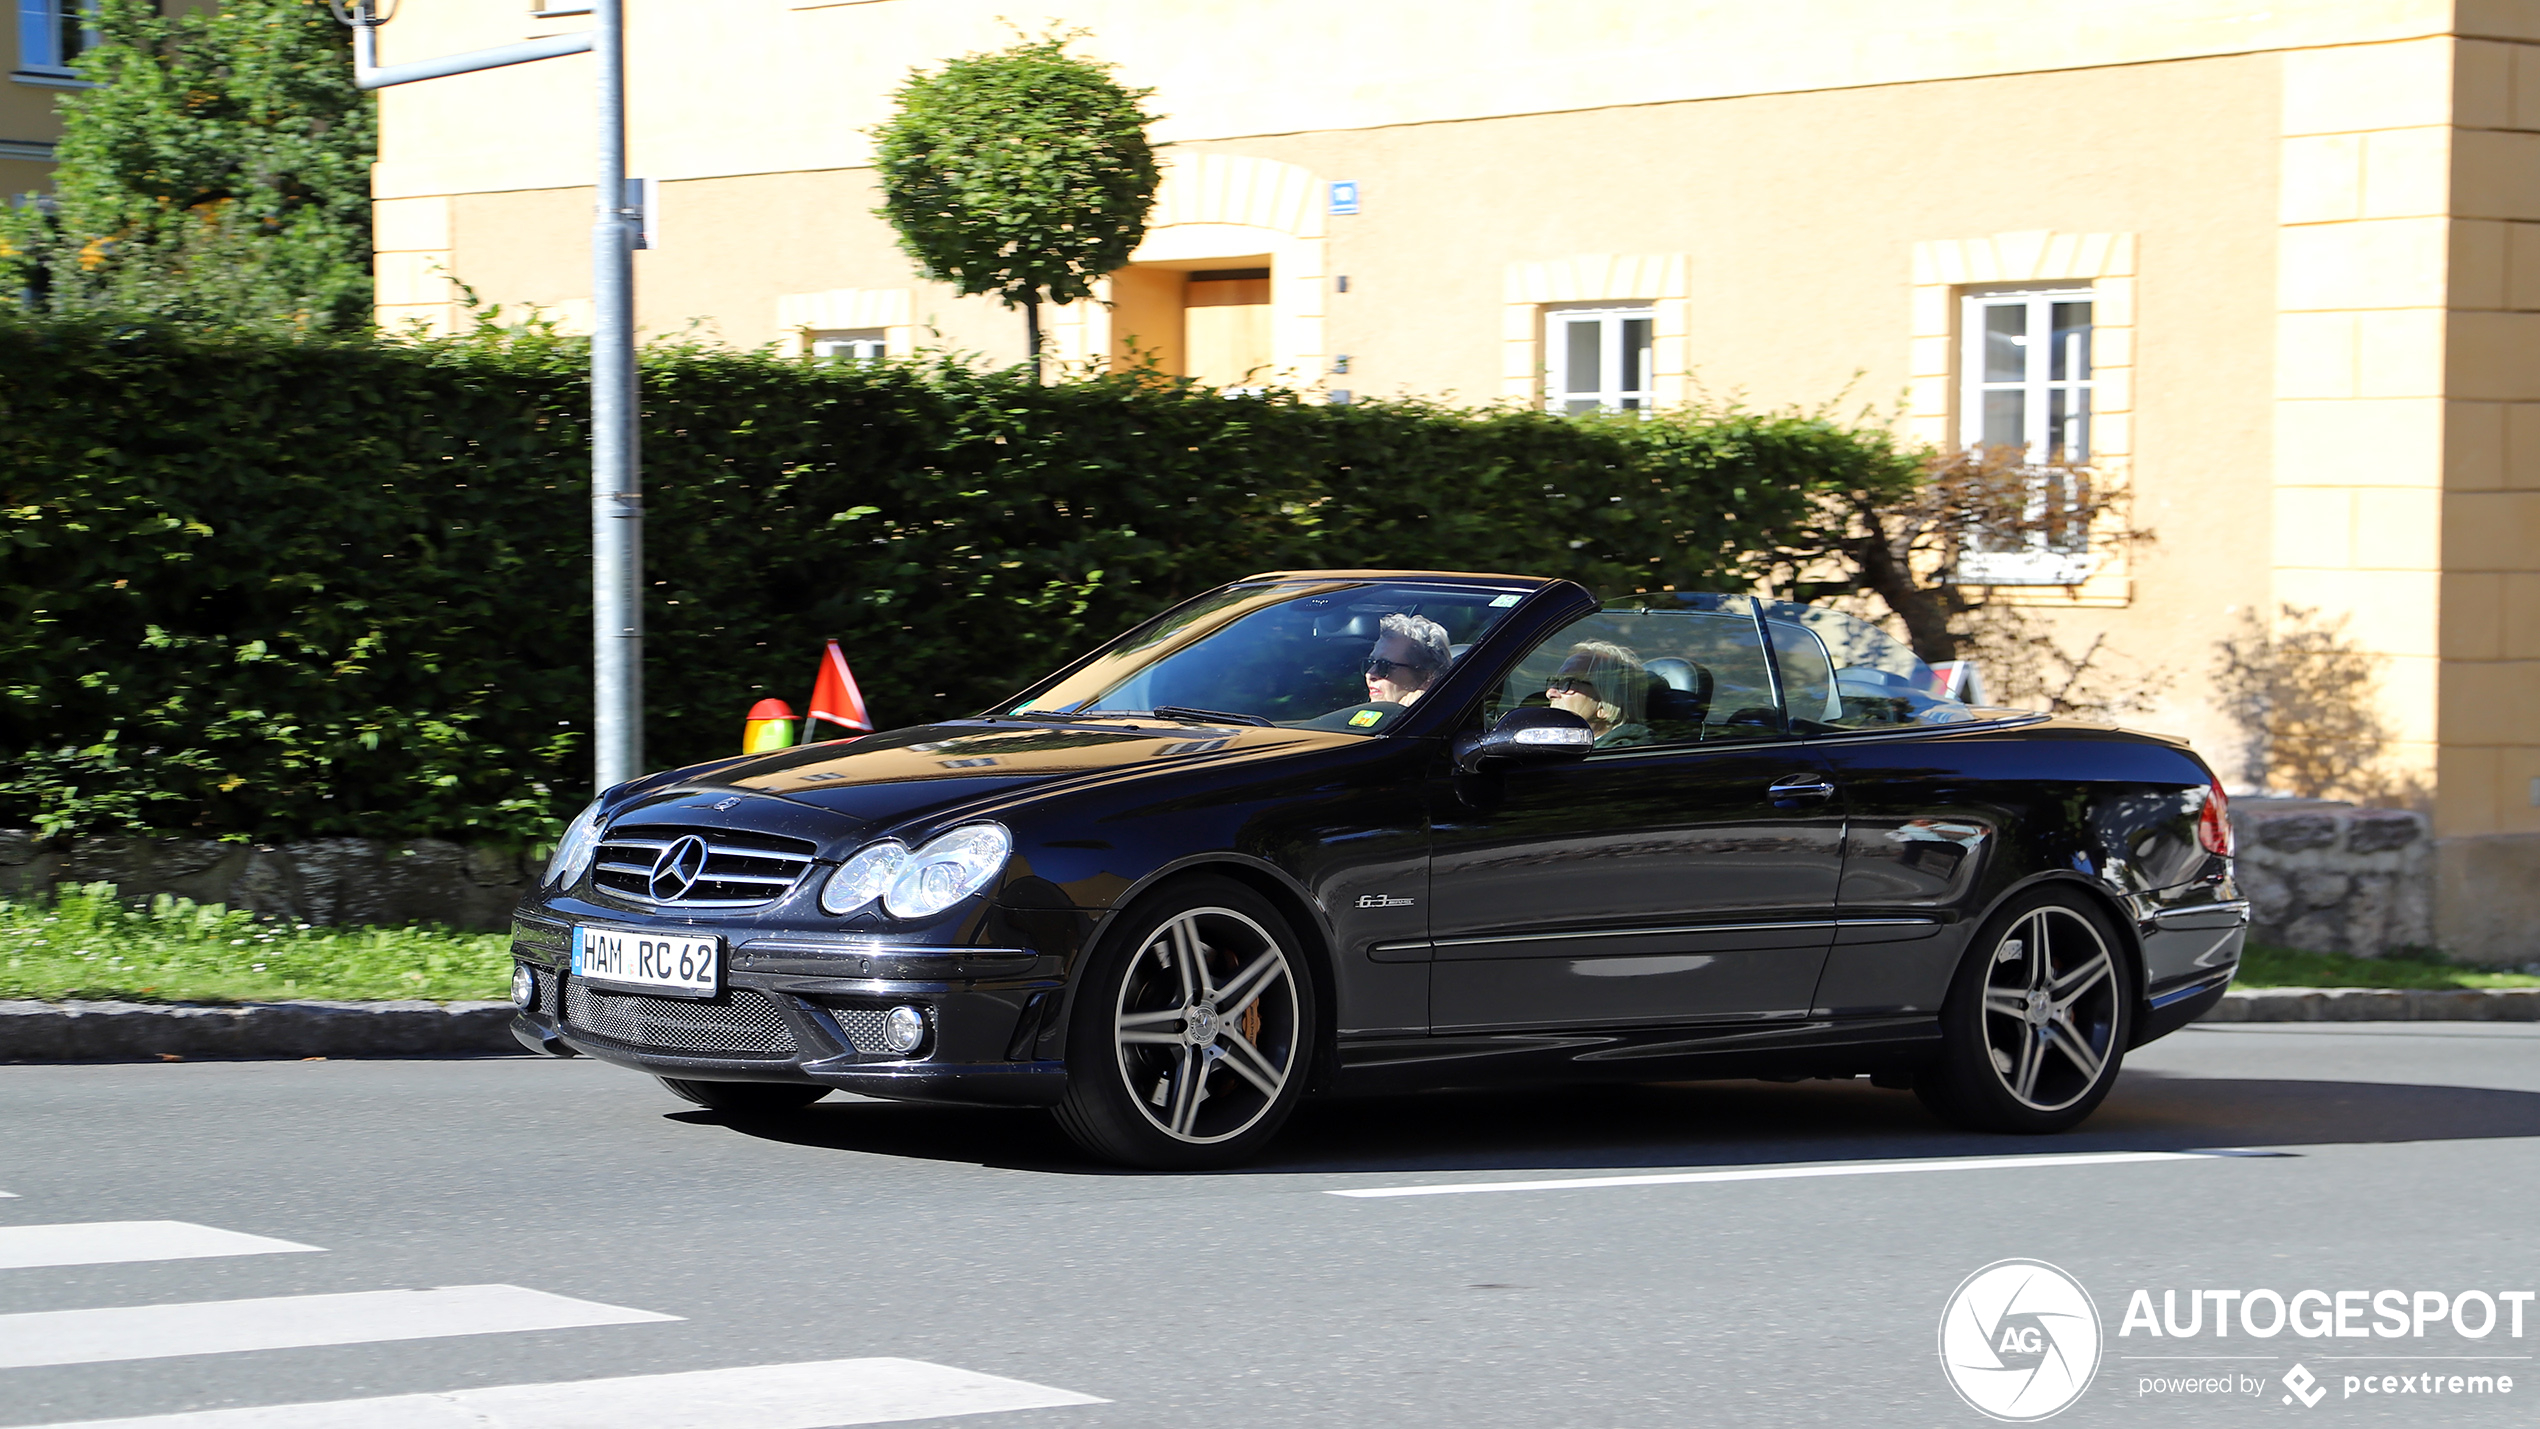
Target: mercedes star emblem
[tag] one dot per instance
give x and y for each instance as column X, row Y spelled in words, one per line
column 678, row 869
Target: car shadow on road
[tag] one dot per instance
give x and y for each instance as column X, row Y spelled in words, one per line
column 1693, row 1125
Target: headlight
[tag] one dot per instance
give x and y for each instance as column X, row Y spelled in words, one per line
column 863, row 878
column 573, row 851
column 947, row 870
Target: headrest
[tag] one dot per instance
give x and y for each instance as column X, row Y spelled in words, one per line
column 1675, row 674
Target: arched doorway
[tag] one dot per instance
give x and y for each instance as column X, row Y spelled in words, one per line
column 1228, row 286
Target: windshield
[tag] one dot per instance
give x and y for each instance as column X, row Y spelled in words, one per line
column 1332, row 654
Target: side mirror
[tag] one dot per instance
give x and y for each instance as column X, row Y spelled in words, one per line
column 1534, row 735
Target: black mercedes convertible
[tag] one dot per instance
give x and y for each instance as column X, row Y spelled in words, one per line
column 1388, row 829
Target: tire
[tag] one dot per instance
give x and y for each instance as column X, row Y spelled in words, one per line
column 2035, row 1027
column 745, row 1098
column 1193, row 1031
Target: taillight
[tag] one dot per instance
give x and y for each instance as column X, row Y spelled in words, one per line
column 2213, row 822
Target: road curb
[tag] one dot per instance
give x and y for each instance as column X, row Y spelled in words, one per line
column 2377, row 1004
column 141, row 1031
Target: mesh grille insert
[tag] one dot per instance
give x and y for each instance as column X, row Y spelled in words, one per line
column 743, row 1024
column 863, row 1026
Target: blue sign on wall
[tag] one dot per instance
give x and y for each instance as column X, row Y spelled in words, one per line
column 1345, row 196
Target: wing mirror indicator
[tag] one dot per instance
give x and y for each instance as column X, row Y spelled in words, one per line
column 1548, row 734
column 1533, row 735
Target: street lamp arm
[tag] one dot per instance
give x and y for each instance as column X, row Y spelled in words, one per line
column 375, row 76
column 617, row 503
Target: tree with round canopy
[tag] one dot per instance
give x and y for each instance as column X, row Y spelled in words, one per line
column 1021, row 174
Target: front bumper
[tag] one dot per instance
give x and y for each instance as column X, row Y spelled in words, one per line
column 808, row 1011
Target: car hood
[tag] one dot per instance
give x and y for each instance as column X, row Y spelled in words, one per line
column 904, row 774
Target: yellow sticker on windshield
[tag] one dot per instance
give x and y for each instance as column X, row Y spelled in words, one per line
column 1364, row 718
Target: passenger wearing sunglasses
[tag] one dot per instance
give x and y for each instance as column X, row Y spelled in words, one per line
column 1410, row 651
column 1604, row 684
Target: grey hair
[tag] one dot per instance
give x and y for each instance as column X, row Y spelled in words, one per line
column 1424, row 635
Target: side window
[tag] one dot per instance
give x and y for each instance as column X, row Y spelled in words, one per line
column 1653, row 677
column 1841, row 673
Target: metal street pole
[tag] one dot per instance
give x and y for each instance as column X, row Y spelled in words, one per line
column 617, row 503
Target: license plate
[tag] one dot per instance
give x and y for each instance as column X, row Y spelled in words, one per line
column 661, row 963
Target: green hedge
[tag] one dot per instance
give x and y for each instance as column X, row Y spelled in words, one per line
column 286, row 589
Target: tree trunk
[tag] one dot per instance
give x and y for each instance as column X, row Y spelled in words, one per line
column 1032, row 332
column 1925, row 611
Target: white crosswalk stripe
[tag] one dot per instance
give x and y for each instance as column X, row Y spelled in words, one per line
column 822, row 1394
column 138, row 1332
column 818, row 1395
column 125, row 1242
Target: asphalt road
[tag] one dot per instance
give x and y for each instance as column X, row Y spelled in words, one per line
column 1022, row 1282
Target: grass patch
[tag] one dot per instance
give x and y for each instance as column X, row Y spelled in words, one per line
column 85, row 943
column 2263, row 965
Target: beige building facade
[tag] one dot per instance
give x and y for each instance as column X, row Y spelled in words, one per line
column 2276, row 268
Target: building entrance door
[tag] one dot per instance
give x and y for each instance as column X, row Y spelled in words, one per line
column 1226, row 327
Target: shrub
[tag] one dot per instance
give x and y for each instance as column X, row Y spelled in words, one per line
column 285, row 588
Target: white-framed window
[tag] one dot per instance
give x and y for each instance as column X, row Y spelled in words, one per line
column 2026, row 370
column 2025, row 384
column 1597, row 359
column 849, row 345
column 51, row 33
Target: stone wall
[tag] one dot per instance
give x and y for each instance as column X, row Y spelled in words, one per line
column 2332, row 878
column 329, row 881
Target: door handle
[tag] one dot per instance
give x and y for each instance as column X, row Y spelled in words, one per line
column 1791, row 792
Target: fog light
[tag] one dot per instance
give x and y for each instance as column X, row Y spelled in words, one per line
column 904, row 1029
column 524, row 989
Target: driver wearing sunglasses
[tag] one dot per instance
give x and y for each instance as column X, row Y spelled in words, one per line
column 1410, row 650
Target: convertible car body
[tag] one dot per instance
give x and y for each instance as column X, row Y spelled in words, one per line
column 1398, row 829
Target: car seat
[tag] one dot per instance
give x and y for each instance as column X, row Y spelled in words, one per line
column 1681, row 692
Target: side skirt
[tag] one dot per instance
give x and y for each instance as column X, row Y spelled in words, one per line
column 1812, row 1048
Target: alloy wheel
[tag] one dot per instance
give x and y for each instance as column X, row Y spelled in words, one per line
column 1205, row 1026
column 2050, row 1008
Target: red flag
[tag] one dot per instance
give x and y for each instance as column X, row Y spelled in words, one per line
column 834, row 696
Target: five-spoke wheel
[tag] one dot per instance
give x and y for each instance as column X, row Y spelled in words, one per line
column 1192, row 1032
column 2037, row 1022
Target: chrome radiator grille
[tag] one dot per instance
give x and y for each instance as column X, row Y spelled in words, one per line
column 745, row 1024
column 676, row 866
